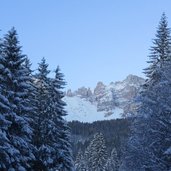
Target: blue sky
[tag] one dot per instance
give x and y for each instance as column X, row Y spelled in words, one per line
column 91, row 40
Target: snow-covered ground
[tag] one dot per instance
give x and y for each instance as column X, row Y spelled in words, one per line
column 83, row 111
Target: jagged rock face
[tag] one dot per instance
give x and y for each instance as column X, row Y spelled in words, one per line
column 82, row 92
column 85, row 93
column 116, row 94
column 99, row 91
column 129, row 87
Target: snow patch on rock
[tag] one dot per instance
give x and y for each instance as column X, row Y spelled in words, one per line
column 84, row 111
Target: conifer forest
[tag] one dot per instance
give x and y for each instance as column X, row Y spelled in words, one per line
column 36, row 136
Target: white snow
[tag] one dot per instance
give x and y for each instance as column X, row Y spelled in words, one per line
column 119, row 86
column 83, row 111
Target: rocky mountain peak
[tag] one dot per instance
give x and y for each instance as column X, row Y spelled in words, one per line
column 133, row 79
column 115, row 95
column 99, row 89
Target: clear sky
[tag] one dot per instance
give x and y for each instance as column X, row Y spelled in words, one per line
column 91, row 40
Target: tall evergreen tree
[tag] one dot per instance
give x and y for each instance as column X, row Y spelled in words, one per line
column 151, row 128
column 64, row 145
column 80, row 162
column 40, row 118
column 15, row 147
column 51, row 133
column 96, row 155
column 159, row 52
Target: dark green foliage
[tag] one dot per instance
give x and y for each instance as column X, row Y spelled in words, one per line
column 33, row 132
column 58, row 106
column 96, row 154
column 16, row 133
column 115, row 133
column 159, row 52
column 80, row 162
column 150, row 139
column 51, row 133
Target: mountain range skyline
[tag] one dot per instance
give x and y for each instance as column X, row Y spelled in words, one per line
column 104, row 102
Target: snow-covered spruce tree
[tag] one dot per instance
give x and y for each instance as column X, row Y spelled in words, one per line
column 33, row 91
column 112, row 163
column 51, row 134
column 15, row 138
column 160, row 51
column 151, row 129
column 42, row 119
column 80, row 162
column 65, row 161
column 96, row 155
column 61, row 136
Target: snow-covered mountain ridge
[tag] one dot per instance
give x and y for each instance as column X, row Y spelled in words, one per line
column 104, row 102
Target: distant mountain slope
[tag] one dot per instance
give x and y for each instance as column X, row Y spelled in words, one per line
column 105, row 102
column 84, row 111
